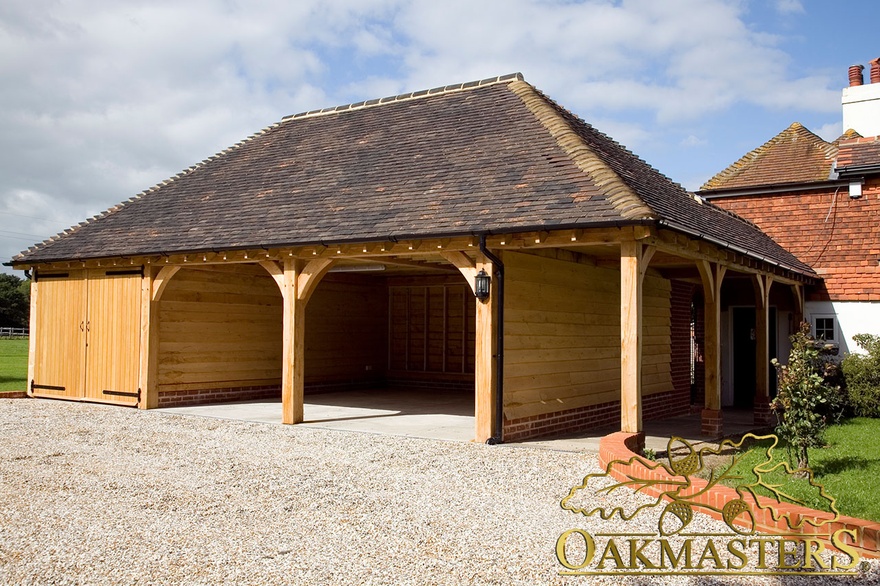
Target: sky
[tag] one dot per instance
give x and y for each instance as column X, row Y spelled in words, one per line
column 102, row 99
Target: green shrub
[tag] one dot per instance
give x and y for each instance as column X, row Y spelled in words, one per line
column 805, row 402
column 861, row 373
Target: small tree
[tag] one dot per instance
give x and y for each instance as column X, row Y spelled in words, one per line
column 14, row 301
column 804, row 401
column 862, row 375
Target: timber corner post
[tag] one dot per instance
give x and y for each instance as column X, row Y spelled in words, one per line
column 152, row 286
column 485, row 352
column 32, row 338
column 634, row 260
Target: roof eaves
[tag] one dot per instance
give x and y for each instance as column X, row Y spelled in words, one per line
column 585, row 225
column 738, row 249
column 769, row 188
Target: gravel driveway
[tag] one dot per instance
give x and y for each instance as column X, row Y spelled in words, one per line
column 94, row 494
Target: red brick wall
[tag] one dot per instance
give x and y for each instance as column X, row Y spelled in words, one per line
column 593, row 417
column 698, row 395
column 837, row 236
column 204, row 396
column 680, row 333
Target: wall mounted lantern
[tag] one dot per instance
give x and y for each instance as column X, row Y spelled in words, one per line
column 481, row 285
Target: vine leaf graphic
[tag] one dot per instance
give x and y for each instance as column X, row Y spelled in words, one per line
column 674, row 483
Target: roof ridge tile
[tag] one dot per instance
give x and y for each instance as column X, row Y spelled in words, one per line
column 445, row 89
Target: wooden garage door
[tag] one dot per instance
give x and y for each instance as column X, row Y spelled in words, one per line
column 113, row 336
column 59, row 339
column 87, row 338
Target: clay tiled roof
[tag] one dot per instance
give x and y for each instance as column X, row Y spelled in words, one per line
column 859, row 154
column 482, row 157
column 795, row 155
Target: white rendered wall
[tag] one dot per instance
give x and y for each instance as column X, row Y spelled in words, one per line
column 853, row 317
column 861, row 109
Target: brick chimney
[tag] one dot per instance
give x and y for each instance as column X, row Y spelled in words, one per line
column 861, row 102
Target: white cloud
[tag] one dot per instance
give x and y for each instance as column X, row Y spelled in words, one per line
column 829, row 132
column 786, row 7
column 103, row 99
column 693, row 141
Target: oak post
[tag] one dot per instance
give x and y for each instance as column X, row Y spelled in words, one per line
column 292, row 349
column 631, row 273
column 149, row 342
column 712, row 274
column 485, row 376
column 761, row 408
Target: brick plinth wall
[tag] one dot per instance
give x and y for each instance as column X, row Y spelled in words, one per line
column 656, row 406
column 203, row 396
column 14, row 395
column 711, row 423
column 762, row 412
column 621, row 446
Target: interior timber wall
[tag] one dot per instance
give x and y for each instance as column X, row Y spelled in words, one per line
column 562, row 344
column 346, row 332
column 431, row 332
column 219, row 336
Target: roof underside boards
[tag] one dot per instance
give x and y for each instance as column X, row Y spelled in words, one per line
column 494, row 157
column 793, row 156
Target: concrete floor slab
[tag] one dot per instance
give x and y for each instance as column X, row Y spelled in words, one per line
column 444, row 415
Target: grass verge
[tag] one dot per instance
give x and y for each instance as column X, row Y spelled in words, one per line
column 848, row 468
column 13, row 364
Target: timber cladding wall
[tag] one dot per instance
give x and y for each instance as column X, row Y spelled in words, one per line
column 219, row 328
column 346, row 331
column 562, row 334
column 431, row 332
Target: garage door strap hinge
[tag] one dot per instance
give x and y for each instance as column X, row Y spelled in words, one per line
column 46, row 387
column 137, row 395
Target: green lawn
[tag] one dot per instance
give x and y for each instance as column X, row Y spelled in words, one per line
column 848, row 467
column 13, row 365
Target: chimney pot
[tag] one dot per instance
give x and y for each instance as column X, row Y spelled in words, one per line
column 875, row 70
column 855, row 75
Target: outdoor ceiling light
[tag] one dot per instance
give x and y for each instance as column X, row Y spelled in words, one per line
column 481, row 285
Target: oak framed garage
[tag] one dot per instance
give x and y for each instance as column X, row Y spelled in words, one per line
column 340, row 247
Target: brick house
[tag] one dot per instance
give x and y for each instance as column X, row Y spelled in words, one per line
column 476, row 237
column 821, row 201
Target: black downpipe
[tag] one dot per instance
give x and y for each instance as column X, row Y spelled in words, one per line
column 498, row 270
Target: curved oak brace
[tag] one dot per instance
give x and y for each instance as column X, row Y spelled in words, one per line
column 161, row 280
column 464, row 264
column 275, row 272
column 309, row 277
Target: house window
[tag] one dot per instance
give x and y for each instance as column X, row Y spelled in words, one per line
column 823, row 328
